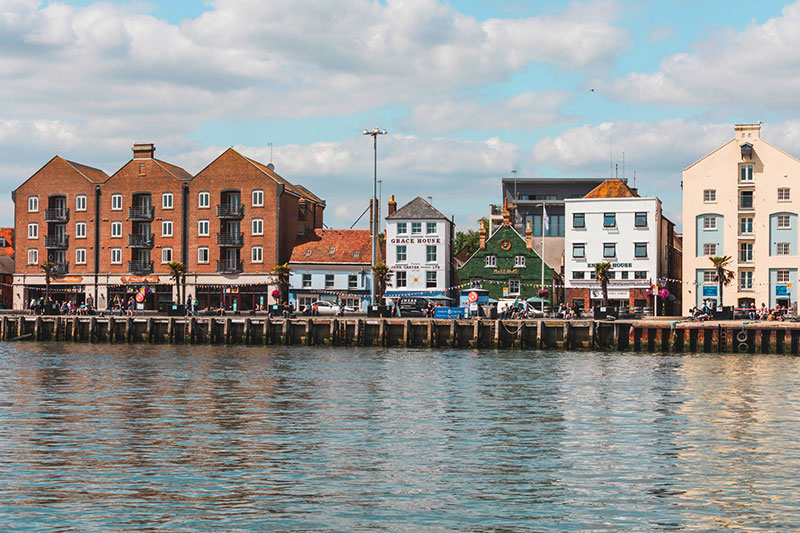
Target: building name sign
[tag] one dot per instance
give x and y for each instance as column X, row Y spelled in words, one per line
column 416, row 240
column 431, row 266
column 505, row 271
column 613, row 265
column 613, row 294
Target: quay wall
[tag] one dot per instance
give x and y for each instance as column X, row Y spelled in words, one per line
column 634, row 336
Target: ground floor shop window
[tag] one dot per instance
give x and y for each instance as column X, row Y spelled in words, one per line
column 232, row 297
column 151, row 297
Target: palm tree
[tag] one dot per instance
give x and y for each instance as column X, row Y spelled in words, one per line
column 177, row 271
column 601, row 271
column 48, row 273
column 724, row 276
column 382, row 275
column 282, row 272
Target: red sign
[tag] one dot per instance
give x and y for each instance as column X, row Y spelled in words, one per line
column 139, row 297
column 139, row 279
column 472, row 297
column 68, row 279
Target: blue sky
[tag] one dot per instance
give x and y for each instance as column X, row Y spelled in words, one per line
column 468, row 90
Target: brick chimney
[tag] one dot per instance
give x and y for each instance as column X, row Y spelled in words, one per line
column 483, row 235
column 392, row 207
column 143, row 150
column 529, row 236
column 506, row 214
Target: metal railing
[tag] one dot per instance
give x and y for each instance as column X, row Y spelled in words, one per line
column 141, row 240
column 230, row 239
column 140, row 267
column 60, row 269
column 56, row 214
column 230, row 211
column 230, row 267
column 56, row 241
column 143, row 212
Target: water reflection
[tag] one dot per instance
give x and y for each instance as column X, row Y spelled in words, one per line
column 220, row 438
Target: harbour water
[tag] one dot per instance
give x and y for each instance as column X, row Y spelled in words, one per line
column 219, row 438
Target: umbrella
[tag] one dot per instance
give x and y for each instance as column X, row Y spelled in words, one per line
column 537, row 300
column 438, row 297
column 493, row 301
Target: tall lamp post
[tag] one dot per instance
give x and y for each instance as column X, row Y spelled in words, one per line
column 374, row 132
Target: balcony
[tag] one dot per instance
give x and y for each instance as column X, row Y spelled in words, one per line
column 144, row 213
column 230, row 267
column 60, row 269
column 140, row 267
column 56, row 214
column 230, row 240
column 230, row 211
column 56, row 242
column 136, row 240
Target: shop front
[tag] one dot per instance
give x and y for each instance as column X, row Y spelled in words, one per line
column 146, row 291
column 357, row 299
column 59, row 293
column 232, row 297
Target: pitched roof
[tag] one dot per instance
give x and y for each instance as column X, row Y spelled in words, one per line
column 298, row 190
column 175, row 170
column 95, row 175
column 348, row 245
column 8, row 234
column 417, row 209
column 614, row 188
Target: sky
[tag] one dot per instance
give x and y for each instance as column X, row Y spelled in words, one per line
column 469, row 91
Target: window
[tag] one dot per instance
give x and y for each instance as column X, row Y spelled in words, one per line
column 116, row 256
column 745, row 199
column 640, row 220
column 430, row 228
column 623, row 274
column 710, row 249
column 640, row 274
column 579, row 250
column 640, row 249
column 430, row 253
column 710, row 196
column 402, row 228
column 745, row 279
column 609, row 220
column 258, row 226
column 166, row 228
column 33, row 204
column 166, row 255
column 784, row 222
column 352, row 282
column 513, row 286
column 3, row 242
column 416, row 228
column 257, row 254
column 356, row 253
column 141, row 169
column 746, row 174
column 203, row 200
column 745, row 252
column 710, row 223
column 784, row 194
column 116, row 202
column 202, row 255
column 578, row 220
column 491, row 261
column 578, row 274
column 332, row 249
column 430, row 279
column 166, row 200
column 519, row 261
column 709, row 276
column 746, row 225
column 202, row 228
column 258, row 198
column 609, row 249
column 116, row 229
column 612, row 274
column 783, row 248
column 783, row 276
column 401, row 253
column 400, row 279
column 555, row 229
column 80, row 256
column 33, row 256
column 80, row 202
column 329, row 281
column 33, row 230
column 80, row 230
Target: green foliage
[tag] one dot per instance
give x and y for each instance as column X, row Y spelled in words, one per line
column 382, row 275
column 724, row 276
column 601, row 271
column 469, row 239
column 282, row 272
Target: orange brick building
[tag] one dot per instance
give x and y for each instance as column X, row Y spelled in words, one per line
column 6, row 267
column 112, row 237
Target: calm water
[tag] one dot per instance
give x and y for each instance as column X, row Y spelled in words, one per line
column 160, row 438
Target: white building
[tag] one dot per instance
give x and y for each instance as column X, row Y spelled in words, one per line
column 613, row 224
column 418, row 249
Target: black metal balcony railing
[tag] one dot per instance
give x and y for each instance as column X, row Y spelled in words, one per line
column 140, row 267
column 233, row 240
column 57, row 242
column 60, row 269
column 140, row 240
column 230, row 267
column 230, row 211
column 56, row 214
column 145, row 212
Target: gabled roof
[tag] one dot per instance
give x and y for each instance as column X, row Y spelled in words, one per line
column 95, row 175
column 417, row 209
column 298, row 190
column 175, row 170
column 348, row 245
column 612, row 188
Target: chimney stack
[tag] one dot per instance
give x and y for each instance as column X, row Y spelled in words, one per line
column 483, row 235
column 143, row 150
column 506, row 214
column 392, row 206
column 529, row 236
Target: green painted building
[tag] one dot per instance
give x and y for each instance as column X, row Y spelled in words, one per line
column 506, row 265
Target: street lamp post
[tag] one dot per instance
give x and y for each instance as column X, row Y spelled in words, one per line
column 374, row 132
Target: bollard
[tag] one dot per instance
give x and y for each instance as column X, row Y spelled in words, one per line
column 285, row 331
column 92, row 329
column 309, row 326
column 248, row 325
column 37, row 328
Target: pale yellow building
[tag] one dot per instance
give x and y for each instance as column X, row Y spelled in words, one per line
column 740, row 200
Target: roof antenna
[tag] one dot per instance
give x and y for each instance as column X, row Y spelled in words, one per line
column 430, row 199
column 270, row 165
column 634, row 179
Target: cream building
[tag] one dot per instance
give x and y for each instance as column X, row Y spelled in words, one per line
column 739, row 200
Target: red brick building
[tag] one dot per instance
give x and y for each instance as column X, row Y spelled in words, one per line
column 6, row 267
column 114, row 236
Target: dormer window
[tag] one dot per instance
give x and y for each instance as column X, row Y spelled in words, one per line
column 747, row 150
column 308, row 252
column 331, row 250
column 356, row 253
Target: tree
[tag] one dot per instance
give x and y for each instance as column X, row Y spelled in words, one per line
column 601, row 271
column 282, row 273
column 48, row 273
column 382, row 275
column 177, row 271
column 469, row 239
column 724, row 276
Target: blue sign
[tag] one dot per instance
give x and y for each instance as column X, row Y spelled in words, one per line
column 781, row 290
column 448, row 312
column 709, row 291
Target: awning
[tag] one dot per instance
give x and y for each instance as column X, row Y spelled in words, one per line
column 537, row 300
column 411, row 294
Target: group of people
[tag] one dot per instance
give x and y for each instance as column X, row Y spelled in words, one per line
column 765, row 313
column 516, row 309
column 39, row 306
column 566, row 311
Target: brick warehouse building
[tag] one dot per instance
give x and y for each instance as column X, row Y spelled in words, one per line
column 112, row 237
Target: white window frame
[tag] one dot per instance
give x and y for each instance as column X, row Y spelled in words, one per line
column 166, row 251
column 258, row 197
column 33, row 256
column 416, row 228
column 745, row 280
column 166, row 228
column 709, row 249
column 118, row 253
column 402, row 228
column 33, row 231
column 257, row 254
column 783, row 222
column 330, row 281
column 709, row 223
column 80, row 256
column 306, row 280
column 428, row 249
column 514, row 287
column 401, row 277
column 167, row 200
column 78, row 233
column 782, row 276
column 430, row 228
column 519, row 261
column 203, row 228
column 33, row 204
column 116, row 224
column 401, row 250
column 614, row 248
column 204, row 200
column 257, row 226
column 80, row 202
column 579, row 246
column 352, row 282
column 490, row 261
column 783, row 248
column 203, row 250
column 637, row 245
column 710, row 196
column 709, row 276
column 784, row 194
column 116, row 202
column 749, row 177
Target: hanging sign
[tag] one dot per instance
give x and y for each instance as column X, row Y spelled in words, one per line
column 139, row 297
column 472, row 297
column 67, row 279
column 139, row 279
